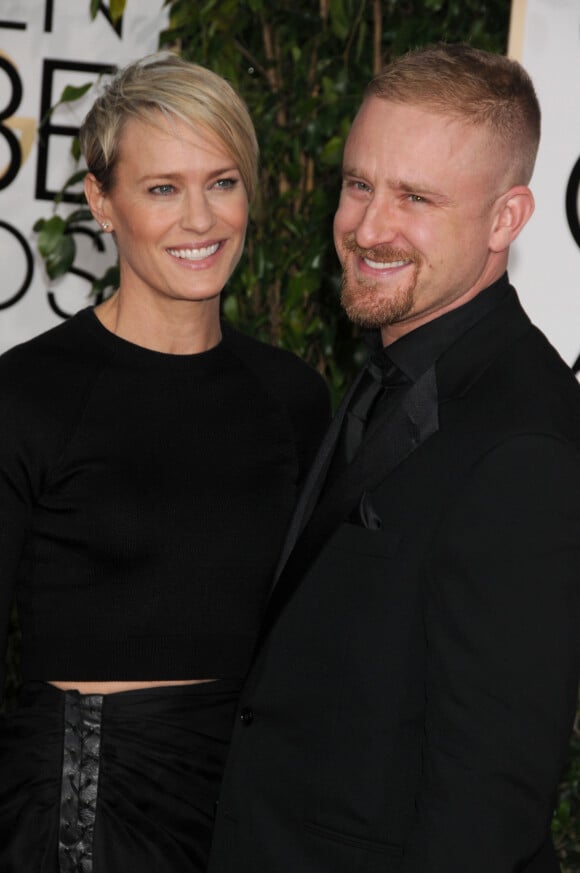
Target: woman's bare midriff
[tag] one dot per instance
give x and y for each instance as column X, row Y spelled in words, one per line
column 116, row 687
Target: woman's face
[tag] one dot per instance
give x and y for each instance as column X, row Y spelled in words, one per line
column 178, row 209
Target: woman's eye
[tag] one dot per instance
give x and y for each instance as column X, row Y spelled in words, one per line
column 230, row 182
column 162, row 189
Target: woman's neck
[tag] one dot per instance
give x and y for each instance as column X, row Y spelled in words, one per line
column 178, row 327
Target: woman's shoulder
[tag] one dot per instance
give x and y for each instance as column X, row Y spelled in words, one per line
column 46, row 371
column 298, row 388
column 272, row 362
column 58, row 341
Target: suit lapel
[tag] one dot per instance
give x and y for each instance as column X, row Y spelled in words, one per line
column 392, row 436
column 314, row 480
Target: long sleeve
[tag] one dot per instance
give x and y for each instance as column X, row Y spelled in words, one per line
column 16, row 488
column 503, row 640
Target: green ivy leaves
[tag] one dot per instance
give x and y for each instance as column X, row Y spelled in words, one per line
column 55, row 245
column 56, row 242
column 116, row 9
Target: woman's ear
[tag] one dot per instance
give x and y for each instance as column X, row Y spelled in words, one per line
column 513, row 211
column 97, row 201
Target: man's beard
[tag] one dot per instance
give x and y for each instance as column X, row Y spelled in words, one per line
column 362, row 299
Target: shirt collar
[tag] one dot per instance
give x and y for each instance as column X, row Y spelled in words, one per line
column 417, row 350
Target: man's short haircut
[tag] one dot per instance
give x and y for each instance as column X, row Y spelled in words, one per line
column 477, row 87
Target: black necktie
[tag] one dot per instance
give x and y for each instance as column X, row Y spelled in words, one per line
column 379, row 375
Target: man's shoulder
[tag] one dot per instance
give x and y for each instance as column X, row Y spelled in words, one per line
column 525, row 388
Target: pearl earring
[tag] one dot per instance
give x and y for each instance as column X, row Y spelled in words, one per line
column 105, row 225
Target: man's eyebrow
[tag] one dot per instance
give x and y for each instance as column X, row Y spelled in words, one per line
column 406, row 186
column 418, row 187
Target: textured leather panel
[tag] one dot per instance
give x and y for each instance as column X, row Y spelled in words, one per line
column 80, row 781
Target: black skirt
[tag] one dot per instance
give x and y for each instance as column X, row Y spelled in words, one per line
column 119, row 782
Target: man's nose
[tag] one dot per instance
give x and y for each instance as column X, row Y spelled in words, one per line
column 379, row 224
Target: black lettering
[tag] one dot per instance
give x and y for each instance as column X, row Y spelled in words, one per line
column 13, row 25
column 15, row 157
column 77, row 271
column 48, row 14
column 25, row 285
column 49, row 129
column 118, row 27
column 14, row 101
column 572, row 202
column 49, row 18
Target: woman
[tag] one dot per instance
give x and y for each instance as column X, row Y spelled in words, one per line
column 150, row 457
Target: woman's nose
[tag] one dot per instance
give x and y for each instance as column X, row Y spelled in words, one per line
column 197, row 212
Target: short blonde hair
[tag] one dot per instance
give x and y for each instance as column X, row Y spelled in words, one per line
column 166, row 83
column 475, row 86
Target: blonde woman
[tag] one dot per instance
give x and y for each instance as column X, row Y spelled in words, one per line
column 150, row 457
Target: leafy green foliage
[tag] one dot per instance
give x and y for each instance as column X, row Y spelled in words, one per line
column 116, row 9
column 71, row 93
column 55, row 246
column 55, row 242
column 104, row 286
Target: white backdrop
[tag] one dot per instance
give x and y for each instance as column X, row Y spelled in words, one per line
column 44, row 46
column 47, row 44
column 545, row 261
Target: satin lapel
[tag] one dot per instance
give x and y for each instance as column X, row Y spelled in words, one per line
column 392, row 436
column 314, row 480
column 397, row 432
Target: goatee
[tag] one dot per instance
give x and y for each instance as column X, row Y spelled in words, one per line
column 362, row 299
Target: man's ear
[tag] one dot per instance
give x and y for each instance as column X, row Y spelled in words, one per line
column 96, row 200
column 512, row 212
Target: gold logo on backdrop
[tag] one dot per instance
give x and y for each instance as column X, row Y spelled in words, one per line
column 27, row 128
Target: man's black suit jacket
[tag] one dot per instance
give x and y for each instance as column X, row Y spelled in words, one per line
column 411, row 701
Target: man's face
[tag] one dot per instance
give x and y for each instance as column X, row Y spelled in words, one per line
column 415, row 217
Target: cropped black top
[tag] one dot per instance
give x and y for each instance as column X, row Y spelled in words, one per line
column 144, row 499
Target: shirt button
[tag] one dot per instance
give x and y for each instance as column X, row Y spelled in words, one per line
column 247, row 715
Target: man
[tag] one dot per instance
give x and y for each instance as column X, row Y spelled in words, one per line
column 411, row 701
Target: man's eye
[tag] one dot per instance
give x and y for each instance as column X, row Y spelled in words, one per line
column 356, row 185
column 162, row 189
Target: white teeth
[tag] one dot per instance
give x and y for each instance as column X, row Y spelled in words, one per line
column 375, row 265
column 194, row 254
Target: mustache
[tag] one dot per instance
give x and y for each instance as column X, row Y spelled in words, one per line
column 381, row 253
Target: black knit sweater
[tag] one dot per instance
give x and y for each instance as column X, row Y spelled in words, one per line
column 144, row 499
